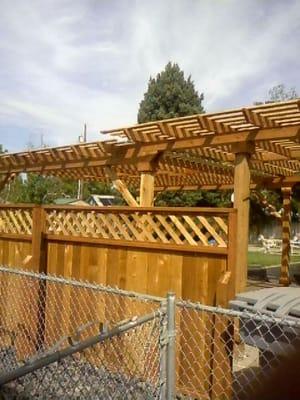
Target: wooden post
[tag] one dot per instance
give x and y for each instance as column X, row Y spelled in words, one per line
column 123, row 190
column 222, row 346
column 147, row 189
column 39, row 264
column 286, row 237
column 232, row 249
column 7, row 179
column 242, row 204
column 147, row 170
column 121, row 187
column 39, row 261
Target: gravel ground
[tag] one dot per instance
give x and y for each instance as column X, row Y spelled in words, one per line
column 72, row 378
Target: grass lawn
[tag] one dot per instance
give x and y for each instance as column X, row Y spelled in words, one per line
column 256, row 258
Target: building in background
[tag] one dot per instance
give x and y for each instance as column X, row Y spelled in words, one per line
column 101, row 200
column 93, row 200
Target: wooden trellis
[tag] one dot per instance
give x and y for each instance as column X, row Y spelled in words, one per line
column 16, row 220
column 163, row 226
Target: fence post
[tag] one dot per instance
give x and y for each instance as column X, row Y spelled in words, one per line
column 39, row 264
column 163, row 343
column 231, row 256
column 170, row 364
column 39, row 257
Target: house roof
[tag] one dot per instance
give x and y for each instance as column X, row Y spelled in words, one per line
column 68, row 200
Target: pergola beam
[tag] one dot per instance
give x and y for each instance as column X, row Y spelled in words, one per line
column 202, row 187
column 285, row 181
column 132, row 153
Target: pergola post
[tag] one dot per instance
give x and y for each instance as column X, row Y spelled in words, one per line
column 242, row 204
column 147, row 189
column 284, row 278
column 147, row 171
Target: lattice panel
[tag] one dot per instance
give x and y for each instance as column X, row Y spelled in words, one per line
column 194, row 230
column 16, row 221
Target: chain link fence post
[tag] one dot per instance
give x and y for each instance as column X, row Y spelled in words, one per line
column 170, row 362
column 163, row 343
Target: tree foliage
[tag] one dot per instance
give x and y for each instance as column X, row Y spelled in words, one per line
column 198, row 198
column 258, row 217
column 38, row 189
column 170, row 95
column 281, row 93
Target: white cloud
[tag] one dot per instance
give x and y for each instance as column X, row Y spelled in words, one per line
column 64, row 63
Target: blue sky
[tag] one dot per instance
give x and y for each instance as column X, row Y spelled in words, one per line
column 64, row 63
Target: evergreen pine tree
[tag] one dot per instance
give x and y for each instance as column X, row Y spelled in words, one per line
column 170, row 95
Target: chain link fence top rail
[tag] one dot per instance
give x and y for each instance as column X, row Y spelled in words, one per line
column 220, row 354
column 41, row 315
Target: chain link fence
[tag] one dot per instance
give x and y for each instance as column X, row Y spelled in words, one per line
column 91, row 373
column 43, row 320
column 65, row 339
column 227, row 354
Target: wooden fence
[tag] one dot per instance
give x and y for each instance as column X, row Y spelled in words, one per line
column 190, row 251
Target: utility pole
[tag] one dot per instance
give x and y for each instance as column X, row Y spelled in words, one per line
column 81, row 139
column 42, row 140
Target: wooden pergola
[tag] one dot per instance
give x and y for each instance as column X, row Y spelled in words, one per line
column 241, row 149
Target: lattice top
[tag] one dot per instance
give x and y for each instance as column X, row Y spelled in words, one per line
column 154, row 227
column 16, row 221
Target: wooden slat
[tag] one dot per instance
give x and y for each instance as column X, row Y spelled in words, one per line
column 128, row 210
column 146, row 245
column 182, row 230
column 212, row 231
column 222, row 224
column 202, row 237
column 14, row 220
column 15, row 236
